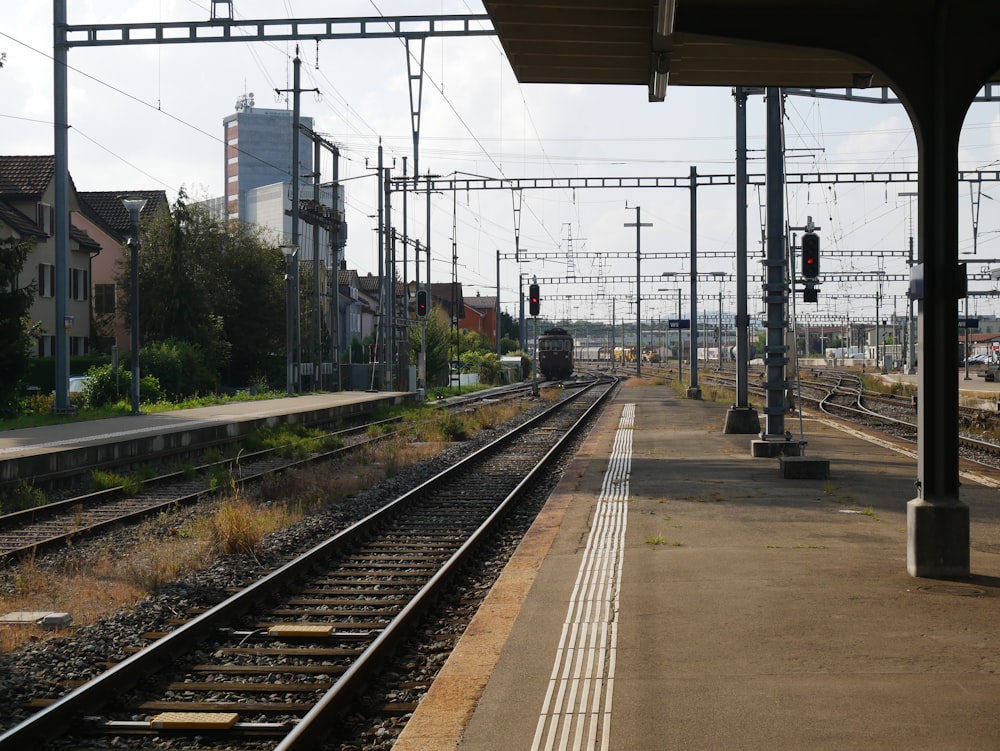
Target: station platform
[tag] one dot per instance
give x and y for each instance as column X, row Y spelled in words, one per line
column 677, row 593
column 51, row 451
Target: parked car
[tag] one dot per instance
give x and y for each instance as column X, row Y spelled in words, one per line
column 77, row 384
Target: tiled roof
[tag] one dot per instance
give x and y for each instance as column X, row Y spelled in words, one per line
column 446, row 292
column 106, row 207
column 87, row 243
column 19, row 222
column 369, row 283
column 345, row 277
column 482, row 302
column 26, row 175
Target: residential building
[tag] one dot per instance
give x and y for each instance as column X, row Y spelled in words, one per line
column 481, row 314
column 27, row 201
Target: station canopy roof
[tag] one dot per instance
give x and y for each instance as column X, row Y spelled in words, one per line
column 699, row 42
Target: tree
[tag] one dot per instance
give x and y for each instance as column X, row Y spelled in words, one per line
column 16, row 336
column 438, row 345
column 215, row 285
column 508, row 327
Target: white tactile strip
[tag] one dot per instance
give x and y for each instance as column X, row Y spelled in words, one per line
column 576, row 712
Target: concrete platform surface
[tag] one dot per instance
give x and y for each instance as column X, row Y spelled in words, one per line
column 725, row 607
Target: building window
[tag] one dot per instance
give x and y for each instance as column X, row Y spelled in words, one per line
column 78, row 345
column 46, row 280
column 79, row 287
column 46, row 218
column 105, row 299
column 46, row 346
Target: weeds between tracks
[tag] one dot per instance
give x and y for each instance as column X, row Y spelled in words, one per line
column 106, row 575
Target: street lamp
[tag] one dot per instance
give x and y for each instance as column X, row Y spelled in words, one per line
column 290, row 252
column 134, row 206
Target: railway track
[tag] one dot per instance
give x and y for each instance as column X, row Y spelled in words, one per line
column 277, row 664
column 42, row 528
column 839, row 394
column 53, row 525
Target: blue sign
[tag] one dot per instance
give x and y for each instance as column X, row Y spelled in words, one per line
column 968, row 323
column 674, row 323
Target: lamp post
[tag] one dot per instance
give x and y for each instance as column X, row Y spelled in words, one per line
column 290, row 252
column 134, row 206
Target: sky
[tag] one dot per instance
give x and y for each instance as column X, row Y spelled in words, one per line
column 148, row 117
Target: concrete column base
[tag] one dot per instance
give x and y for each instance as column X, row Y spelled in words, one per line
column 937, row 539
column 804, row 468
column 694, row 392
column 742, row 421
column 767, row 449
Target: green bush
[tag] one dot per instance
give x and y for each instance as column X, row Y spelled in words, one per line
column 104, row 389
column 485, row 364
column 179, row 367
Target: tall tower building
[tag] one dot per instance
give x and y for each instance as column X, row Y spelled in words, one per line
column 259, row 151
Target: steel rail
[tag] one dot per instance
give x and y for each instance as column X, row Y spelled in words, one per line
column 315, row 725
column 55, row 719
column 91, row 521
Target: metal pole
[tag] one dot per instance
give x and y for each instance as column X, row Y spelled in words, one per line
column 296, row 111
column 421, row 386
column 380, row 325
column 693, row 391
column 134, row 206
column 430, row 302
column 289, row 325
column 316, row 328
column 389, row 287
column 134, row 325
column 335, row 335
column 680, row 340
column 638, row 290
column 775, row 287
column 521, row 325
column 742, row 318
column 497, row 308
column 61, row 178
column 720, row 326
column 965, row 355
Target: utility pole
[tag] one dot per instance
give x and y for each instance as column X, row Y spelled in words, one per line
column 296, row 92
column 638, row 291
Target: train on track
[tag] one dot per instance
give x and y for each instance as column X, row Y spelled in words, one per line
column 555, row 354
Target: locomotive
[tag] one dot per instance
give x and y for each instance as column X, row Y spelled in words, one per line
column 555, row 354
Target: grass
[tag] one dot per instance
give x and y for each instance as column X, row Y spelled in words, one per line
column 106, row 578
column 844, row 499
column 660, row 540
column 291, row 441
column 23, row 496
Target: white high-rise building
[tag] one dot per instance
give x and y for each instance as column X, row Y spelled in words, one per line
column 259, row 152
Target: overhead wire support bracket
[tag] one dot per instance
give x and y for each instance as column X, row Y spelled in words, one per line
column 278, row 29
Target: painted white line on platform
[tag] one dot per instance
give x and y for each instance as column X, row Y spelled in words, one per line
column 576, row 711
